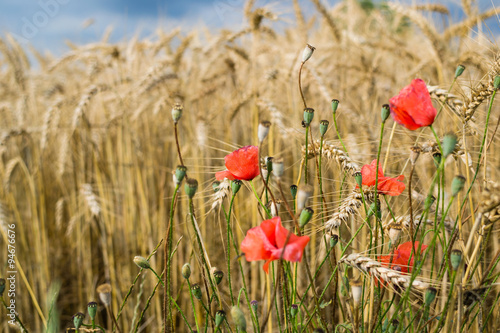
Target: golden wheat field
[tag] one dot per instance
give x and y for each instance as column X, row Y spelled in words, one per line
column 94, row 143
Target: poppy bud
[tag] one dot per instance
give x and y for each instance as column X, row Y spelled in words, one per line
column 215, row 186
column 304, row 193
column 239, row 318
column 2, row 286
column 104, row 291
column 460, row 69
column 235, row 186
column 294, row 310
column 437, row 159
column 385, row 112
column 142, row 262
column 196, row 290
column 428, row 202
column 307, row 53
column 263, row 130
column 359, row 178
column 335, row 105
column 177, row 113
column 394, row 325
column 293, row 190
column 374, row 209
column 190, row 187
column 457, row 184
column 218, row 275
column 255, row 306
column 180, row 172
column 219, row 317
column 356, row 290
column 78, row 320
column 278, row 167
column 334, row 239
column 449, row 143
column 92, row 309
column 496, row 82
column 305, row 216
column 430, row 295
column 269, row 163
column 414, row 154
column 323, row 127
column 308, row 116
column 455, row 258
column 186, row 271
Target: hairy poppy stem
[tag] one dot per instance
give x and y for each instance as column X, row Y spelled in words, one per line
column 300, row 85
column 167, row 250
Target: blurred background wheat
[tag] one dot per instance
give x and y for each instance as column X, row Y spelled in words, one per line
column 87, row 146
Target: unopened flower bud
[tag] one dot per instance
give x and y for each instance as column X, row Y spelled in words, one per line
column 308, row 116
column 104, row 291
column 78, row 320
column 430, row 295
column 460, row 69
column 374, row 210
column 437, row 159
column 255, row 306
column 186, row 271
column 294, row 310
column 385, row 112
column 457, row 184
column 235, row 186
column 304, row 193
column 359, row 178
column 307, row 53
column 455, row 258
column 414, row 154
column 177, row 113
column 180, row 172
column 218, row 275
column 92, row 310
column 323, row 127
column 263, row 130
column 196, row 290
column 239, row 318
column 191, row 187
column 305, row 216
column 142, row 262
column 429, row 200
column 496, row 82
column 335, row 105
column 334, row 239
column 293, row 190
column 219, row 317
column 278, row 168
column 449, row 143
column 269, row 163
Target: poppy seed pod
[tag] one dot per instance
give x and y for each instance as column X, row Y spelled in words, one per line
column 177, row 113
column 304, row 193
column 92, row 310
column 460, row 69
column 308, row 116
column 269, row 163
column 274, row 207
column 385, row 112
column 264, row 171
column 104, row 291
column 335, row 105
column 356, row 290
column 449, row 143
column 307, row 53
column 414, row 154
column 496, row 82
column 429, row 200
column 142, row 262
column 395, row 232
column 305, row 216
column 215, row 186
column 2, row 286
column 457, row 184
column 437, row 159
column 430, row 295
column 294, row 310
column 196, row 290
column 323, row 127
column 455, row 258
column 293, row 190
column 358, row 176
column 218, row 275
column 186, row 271
column 235, row 186
column 78, row 320
column 263, row 130
column 278, row 168
column 334, row 239
column 255, row 306
column 191, row 187
column 219, row 317
column 239, row 318
column 180, row 173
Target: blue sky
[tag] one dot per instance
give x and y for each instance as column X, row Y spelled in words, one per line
column 46, row 24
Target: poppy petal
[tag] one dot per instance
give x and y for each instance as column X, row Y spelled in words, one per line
column 256, row 246
column 368, row 172
column 391, row 186
column 295, row 246
column 224, row 174
column 244, row 163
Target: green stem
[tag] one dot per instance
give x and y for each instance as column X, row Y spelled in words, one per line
column 338, row 134
column 228, row 220
column 193, row 306
column 305, row 157
column 23, row 329
column 258, row 199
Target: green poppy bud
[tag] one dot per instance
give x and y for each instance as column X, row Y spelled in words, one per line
column 460, row 69
column 269, row 163
column 190, row 187
column 255, row 306
column 429, row 200
column 496, row 82
column 449, row 143
column 215, row 186
column 323, row 127
column 219, row 317
column 334, row 239
column 359, row 178
column 235, row 186
column 308, row 116
column 78, row 320
column 177, row 113
column 437, row 159
column 142, row 262
column 385, row 112
column 196, row 290
column 430, row 295
column 180, row 172
column 186, row 271
column 293, row 190
column 335, row 105
column 455, row 258
column 305, row 216
column 218, row 275
column 2, row 286
column 294, row 310
column 239, row 318
column 457, row 184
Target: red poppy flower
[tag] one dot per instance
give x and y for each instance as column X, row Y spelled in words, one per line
column 266, row 242
column 386, row 185
column 241, row 164
column 401, row 257
column 412, row 107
